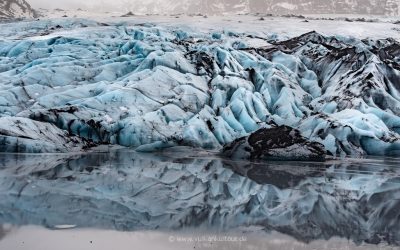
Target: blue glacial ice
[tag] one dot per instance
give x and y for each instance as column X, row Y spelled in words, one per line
column 153, row 86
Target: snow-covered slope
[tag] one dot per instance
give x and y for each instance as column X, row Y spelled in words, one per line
column 153, row 86
column 16, row 9
column 381, row 7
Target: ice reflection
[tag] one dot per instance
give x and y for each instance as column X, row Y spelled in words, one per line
column 128, row 191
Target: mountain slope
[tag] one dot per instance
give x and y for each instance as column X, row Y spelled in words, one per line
column 16, row 9
column 382, row 7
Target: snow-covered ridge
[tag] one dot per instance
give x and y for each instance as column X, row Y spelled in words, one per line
column 16, row 9
column 381, row 7
column 154, row 86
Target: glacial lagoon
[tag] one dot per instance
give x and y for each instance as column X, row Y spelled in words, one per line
column 183, row 198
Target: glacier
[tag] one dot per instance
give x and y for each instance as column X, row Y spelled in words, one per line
column 183, row 189
column 154, row 86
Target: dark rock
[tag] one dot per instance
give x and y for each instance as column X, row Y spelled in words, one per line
column 277, row 143
column 278, row 173
column 130, row 13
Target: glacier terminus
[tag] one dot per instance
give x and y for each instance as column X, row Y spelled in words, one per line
column 131, row 128
column 71, row 84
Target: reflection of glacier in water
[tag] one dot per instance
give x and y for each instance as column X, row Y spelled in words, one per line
column 355, row 199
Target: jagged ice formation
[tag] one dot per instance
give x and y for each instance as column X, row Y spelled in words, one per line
column 151, row 87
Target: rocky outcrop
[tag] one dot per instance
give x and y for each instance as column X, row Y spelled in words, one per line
column 276, row 143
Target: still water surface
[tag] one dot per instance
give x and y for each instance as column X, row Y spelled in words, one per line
column 188, row 199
